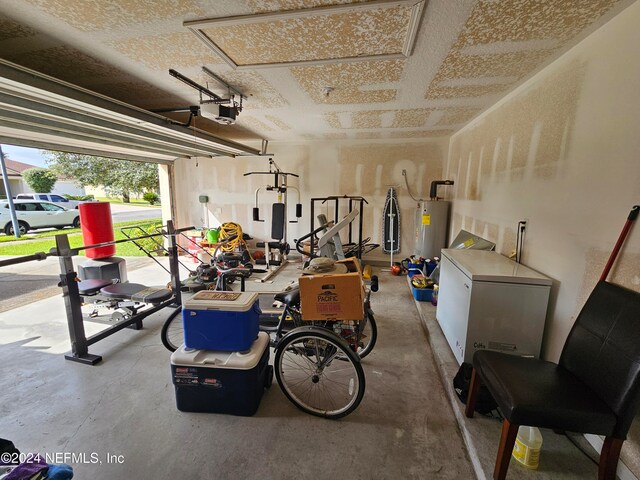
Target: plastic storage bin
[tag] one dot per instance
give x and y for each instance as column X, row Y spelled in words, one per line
column 222, row 382
column 422, row 294
column 415, row 268
column 226, row 321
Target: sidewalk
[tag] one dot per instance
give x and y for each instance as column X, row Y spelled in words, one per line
column 30, row 282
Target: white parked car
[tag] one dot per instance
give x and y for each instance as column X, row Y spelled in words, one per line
column 33, row 214
column 50, row 197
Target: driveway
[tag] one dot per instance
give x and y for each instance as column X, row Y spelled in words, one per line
column 124, row 213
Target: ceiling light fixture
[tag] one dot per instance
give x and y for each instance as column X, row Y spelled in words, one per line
column 327, row 90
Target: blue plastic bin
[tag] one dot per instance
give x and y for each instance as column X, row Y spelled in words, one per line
column 422, row 294
column 225, row 321
column 415, row 268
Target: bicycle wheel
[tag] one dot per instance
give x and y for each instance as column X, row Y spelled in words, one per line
column 311, row 379
column 172, row 335
column 368, row 334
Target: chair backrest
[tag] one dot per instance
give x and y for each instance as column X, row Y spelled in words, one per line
column 603, row 350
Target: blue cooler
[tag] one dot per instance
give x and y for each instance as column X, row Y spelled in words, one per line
column 222, row 382
column 226, row 321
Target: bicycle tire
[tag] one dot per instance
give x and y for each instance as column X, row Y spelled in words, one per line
column 370, row 321
column 172, row 335
column 371, row 334
column 320, row 387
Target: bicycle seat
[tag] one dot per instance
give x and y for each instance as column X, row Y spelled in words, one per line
column 92, row 286
column 136, row 292
column 290, row 297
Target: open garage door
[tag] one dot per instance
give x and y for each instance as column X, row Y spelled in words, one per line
column 43, row 112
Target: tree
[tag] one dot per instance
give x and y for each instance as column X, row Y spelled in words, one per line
column 118, row 177
column 40, row 179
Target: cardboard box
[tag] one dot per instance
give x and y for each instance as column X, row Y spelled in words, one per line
column 353, row 264
column 332, row 297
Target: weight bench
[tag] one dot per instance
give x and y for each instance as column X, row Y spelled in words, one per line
column 127, row 297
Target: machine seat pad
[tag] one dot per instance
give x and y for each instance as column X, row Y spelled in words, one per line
column 290, row 297
column 542, row 393
column 92, row 286
column 136, row 292
column 153, row 295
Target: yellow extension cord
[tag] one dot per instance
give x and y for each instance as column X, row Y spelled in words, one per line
column 230, row 229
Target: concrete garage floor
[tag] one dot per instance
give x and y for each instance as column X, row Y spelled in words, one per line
column 408, row 426
column 125, row 407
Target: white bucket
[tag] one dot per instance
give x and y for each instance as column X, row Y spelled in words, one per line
column 526, row 449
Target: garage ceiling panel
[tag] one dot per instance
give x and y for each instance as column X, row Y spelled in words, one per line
column 317, row 37
column 323, row 34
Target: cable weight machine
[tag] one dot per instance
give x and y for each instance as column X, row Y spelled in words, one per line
column 277, row 249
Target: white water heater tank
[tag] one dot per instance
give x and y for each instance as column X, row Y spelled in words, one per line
column 432, row 225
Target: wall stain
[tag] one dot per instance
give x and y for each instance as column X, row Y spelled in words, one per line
column 509, row 133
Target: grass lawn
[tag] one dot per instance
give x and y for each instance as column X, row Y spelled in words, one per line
column 40, row 244
column 138, row 202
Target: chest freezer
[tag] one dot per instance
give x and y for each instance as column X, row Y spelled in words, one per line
column 488, row 302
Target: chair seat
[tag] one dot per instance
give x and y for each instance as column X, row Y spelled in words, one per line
column 291, row 297
column 543, row 394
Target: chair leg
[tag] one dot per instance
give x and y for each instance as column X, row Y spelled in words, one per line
column 507, row 440
column 474, row 388
column 609, row 458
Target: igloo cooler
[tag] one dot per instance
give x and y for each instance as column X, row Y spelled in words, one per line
column 222, row 382
column 226, row 321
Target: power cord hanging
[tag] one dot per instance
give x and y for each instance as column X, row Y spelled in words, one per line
column 406, row 182
column 195, row 140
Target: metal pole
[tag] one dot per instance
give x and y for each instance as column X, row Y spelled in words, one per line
column 174, row 263
column 633, row 215
column 7, row 189
column 71, row 295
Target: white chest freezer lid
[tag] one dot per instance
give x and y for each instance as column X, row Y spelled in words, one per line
column 189, row 357
column 481, row 265
column 227, row 301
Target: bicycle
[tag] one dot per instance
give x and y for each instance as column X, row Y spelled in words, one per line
column 317, row 363
column 361, row 335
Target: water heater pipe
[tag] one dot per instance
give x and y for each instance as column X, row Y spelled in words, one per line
column 433, row 192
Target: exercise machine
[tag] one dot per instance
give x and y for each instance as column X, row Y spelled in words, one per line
column 278, row 248
column 353, row 203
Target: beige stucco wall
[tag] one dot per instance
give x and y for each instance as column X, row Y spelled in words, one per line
column 324, row 169
column 561, row 152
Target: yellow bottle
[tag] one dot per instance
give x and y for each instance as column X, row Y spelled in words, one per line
column 526, row 450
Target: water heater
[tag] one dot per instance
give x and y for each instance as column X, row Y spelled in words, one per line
column 432, row 223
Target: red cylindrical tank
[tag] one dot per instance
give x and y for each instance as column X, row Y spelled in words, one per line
column 97, row 227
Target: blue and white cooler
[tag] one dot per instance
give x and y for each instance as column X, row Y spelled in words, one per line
column 222, row 382
column 226, row 321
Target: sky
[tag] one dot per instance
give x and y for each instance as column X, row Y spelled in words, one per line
column 31, row 156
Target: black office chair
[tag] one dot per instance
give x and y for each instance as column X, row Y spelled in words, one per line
column 594, row 389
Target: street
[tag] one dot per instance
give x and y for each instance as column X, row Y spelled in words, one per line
column 143, row 213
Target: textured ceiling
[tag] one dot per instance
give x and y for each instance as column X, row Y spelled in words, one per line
column 333, row 35
column 466, row 55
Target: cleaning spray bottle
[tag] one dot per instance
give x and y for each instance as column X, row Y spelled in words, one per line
column 526, row 450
